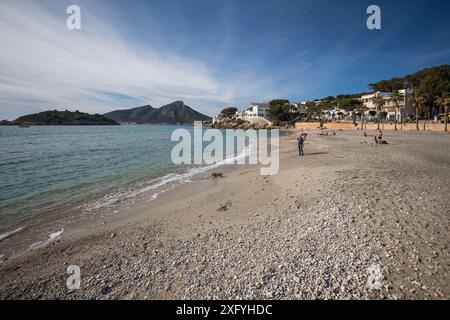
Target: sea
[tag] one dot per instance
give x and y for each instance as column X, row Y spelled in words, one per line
column 46, row 171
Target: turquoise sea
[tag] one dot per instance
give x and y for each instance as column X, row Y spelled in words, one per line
column 46, row 170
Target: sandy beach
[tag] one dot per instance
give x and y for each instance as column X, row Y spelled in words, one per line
column 349, row 220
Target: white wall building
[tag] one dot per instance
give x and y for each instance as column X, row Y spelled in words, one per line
column 257, row 110
column 368, row 102
column 406, row 107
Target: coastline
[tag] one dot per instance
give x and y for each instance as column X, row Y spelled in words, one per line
column 291, row 236
column 94, row 213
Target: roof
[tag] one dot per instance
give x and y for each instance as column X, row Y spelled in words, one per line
column 260, row 105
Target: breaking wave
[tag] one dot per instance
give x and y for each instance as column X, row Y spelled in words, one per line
column 158, row 185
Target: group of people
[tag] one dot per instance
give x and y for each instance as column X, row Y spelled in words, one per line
column 378, row 137
column 302, row 138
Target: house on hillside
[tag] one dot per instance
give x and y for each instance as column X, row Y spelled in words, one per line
column 257, row 110
column 406, row 107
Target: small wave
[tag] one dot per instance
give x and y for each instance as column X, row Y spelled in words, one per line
column 11, row 233
column 52, row 237
column 156, row 184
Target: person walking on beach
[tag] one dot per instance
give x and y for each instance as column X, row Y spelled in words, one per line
column 301, row 141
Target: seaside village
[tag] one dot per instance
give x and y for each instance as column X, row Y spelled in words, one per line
column 402, row 110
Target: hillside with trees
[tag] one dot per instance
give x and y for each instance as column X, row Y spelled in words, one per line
column 55, row 117
column 430, row 84
column 172, row 113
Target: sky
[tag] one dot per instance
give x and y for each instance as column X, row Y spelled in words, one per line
column 209, row 53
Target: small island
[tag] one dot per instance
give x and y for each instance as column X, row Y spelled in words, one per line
column 60, row 118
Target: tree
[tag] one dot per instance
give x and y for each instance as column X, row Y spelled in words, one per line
column 313, row 109
column 396, row 96
column 350, row 105
column 418, row 102
column 444, row 101
column 361, row 110
column 228, row 112
column 442, row 73
column 430, row 82
column 379, row 104
column 429, row 89
column 279, row 109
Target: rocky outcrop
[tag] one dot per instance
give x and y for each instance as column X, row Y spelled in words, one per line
column 60, row 118
column 237, row 124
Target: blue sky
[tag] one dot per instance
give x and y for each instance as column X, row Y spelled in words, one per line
column 211, row 54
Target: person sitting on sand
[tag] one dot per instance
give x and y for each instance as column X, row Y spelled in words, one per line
column 379, row 138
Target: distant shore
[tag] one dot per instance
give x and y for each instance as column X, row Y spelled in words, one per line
column 349, row 220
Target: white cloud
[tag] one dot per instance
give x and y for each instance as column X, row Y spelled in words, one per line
column 44, row 65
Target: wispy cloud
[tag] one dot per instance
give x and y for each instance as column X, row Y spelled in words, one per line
column 45, row 65
column 209, row 54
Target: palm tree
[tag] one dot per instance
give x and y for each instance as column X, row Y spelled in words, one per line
column 361, row 109
column 379, row 103
column 421, row 108
column 396, row 96
column 418, row 102
column 424, row 108
column 444, row 101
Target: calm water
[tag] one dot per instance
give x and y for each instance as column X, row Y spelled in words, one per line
column 46, row 169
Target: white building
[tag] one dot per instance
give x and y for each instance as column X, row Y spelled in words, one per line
column 334, row 113
column 368, row 100
column 405, row 104
column 240, row 115
column 406, row 107
column 257, row 110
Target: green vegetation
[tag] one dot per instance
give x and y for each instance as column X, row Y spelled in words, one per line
column 430, row 83
column 56, row 117
column 435, row 78
column 173, row 113
column 396, row 97
column 418, row 102
column 444, row 101
column 379, row 103
column 350, row 105
column 228, row 112
column 135, row 115
column 280, row 110
column 430, row 86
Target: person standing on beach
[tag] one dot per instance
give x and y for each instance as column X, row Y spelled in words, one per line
column 301, row 141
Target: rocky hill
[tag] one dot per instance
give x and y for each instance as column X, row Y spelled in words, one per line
column 55, row 117
column 173, row 113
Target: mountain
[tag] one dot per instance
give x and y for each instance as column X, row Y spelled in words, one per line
column 137, row 115
column 55, row 117
column 173, row 113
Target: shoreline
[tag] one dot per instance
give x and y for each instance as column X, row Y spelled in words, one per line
column 295, row 235
column 95, row 211
column 75, row 221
